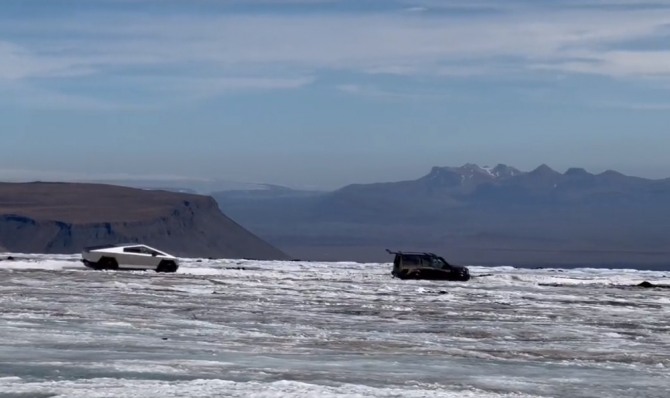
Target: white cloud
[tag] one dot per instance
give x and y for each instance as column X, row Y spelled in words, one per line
column 343, row 41
column 636, row 106
column 370, row 91
column 617, row 64
column 217, row 86
column 208, row 54
column 29, row 96
column 18, row 63
column 416, row 9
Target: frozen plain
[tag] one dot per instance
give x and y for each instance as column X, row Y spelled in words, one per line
column 304, row 329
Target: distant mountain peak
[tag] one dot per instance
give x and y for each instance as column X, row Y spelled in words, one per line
column 505, row 171
column 611, row 173
column 443, row 176
column 499, row 171
column 473, row 168
column 437, row 169
column 577, row 171
column 543, row 169
column 469, row 174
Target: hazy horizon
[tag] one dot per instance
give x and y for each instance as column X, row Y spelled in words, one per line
column 325, row 93
column 208, row 185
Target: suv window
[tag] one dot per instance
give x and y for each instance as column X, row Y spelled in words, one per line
column 411, row 260
column 438, row 263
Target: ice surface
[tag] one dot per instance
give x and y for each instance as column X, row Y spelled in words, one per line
column 244, row 328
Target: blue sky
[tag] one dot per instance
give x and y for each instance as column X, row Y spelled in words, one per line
column 312, row 93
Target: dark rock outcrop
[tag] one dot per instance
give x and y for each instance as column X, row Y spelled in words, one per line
column 649, row 285
column 65, row 217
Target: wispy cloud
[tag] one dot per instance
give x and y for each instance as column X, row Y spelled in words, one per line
column 616, row 64
column 373, row 92
column 30, row 96
column 634, row 106
column 17, row 63
column 218, row 52
column 341, row 41
column 203, row 88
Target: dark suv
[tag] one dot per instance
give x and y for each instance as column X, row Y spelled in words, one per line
column 417, row 265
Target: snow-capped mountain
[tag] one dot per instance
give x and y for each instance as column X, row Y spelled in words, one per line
column 487, row 214
column 470, row 174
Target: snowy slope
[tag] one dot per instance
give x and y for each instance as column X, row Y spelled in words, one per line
column 249, row 328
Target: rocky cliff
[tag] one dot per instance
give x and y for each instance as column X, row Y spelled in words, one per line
column 65, row 217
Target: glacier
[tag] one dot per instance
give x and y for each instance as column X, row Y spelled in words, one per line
column 246, row 328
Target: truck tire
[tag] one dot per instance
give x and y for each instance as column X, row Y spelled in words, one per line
column 108, row 263
column 167, row 266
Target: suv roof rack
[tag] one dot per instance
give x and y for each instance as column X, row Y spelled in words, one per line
column 414, row 253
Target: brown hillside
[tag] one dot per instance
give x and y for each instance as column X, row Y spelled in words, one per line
column 87, row 203
column 65, row 217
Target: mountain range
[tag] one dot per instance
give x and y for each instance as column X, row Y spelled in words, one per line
column 471, row 214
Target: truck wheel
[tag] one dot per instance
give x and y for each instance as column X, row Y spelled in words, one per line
column 167, row 266
column 108, row 263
